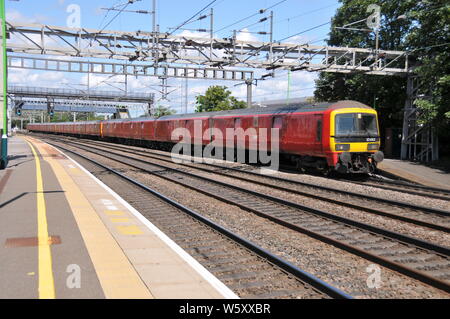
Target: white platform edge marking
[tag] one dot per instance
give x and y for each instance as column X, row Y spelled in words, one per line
column 202, row 271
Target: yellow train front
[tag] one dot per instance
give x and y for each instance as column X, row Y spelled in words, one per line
column 354, row 140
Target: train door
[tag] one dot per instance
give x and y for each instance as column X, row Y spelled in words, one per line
column 277, row 123
column 318, row 141
column 209, row 129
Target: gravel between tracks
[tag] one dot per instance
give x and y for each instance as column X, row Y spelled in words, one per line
column 338, row 184
column 337, row 267
column 361, row 189
column 423, row 233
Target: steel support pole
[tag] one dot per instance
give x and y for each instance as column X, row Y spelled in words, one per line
column 288, row 88
column 271, row 36
column 4, row 102
column 377, row 45
column 186, row 92
column 419, row 141
column 153, row 19
column 211, row 31
column 249, row 92
column 407, row 113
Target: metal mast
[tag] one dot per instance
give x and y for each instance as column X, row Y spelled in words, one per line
column 4, row 84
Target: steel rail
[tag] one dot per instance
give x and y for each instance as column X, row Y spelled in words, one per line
column 377, row 178
column 293, row 191
column 406, row 190
column 368, row 197
column 419, row 275
column 331, row 189
column 288, row 267
column 404, row 238
column 383, row 180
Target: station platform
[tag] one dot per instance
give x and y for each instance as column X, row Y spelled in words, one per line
column 64, row 234
column 416, row 172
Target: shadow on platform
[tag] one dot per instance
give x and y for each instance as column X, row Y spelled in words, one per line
column 23, row 194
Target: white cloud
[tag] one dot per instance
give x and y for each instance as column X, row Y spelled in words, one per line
column 244, row 35
column 193, row 34
column 299, row 39
column 108, row 82
column 34, row 78
column 301, row 84
column 17, row 17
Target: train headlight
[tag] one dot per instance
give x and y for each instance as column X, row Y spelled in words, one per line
column 342, row 147
column 373, row 147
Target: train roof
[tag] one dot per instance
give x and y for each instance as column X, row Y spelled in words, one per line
column 292, row 108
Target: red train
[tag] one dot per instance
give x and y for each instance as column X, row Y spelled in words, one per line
column 342, row 136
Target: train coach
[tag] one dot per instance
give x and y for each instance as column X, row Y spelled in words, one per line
column 336, row 136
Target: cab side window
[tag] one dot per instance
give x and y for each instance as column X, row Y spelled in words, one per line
column 255, row 122
column 211, row 126
column 319, row 131
column 277, row 122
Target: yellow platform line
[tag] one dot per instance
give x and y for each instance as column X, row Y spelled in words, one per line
column 46, row 282
column 116, row 274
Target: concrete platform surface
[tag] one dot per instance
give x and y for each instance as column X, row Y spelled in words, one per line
column 416, row 172
column 64, row 234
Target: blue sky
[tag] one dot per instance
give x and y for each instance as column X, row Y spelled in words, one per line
column 290, row 17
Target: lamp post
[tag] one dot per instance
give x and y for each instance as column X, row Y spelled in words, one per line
column 4, row 131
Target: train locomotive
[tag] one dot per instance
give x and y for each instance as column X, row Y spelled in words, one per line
column 338, row 136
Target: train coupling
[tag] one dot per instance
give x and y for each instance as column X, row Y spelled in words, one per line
column 358, row 162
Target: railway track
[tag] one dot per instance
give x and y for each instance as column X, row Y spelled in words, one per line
column 247, row 269
column 415, row 258
column 408, row 188
column 417, row 215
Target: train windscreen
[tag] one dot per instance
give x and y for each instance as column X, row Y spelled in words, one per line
column 356, row 124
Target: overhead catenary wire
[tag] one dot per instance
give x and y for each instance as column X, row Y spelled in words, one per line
column 198, row 19
column 261, row 11
column 255, row 23
column 296, row 90
column 107, row 13
column 294, row 17
column 124, row 6
column 306, row 13
column 329, row 22
column 188, row 20
column 322, row 8
column 304, row 31
column 118, row 13
column 429, row 47
column 206, row 15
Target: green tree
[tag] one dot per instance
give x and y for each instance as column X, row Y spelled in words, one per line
column 386, row 93
column 217, row 98
column 429, row 41
column 80, row 116
column 161, row 110
column 420, row 27
column 62, row 117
